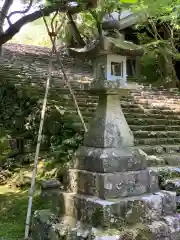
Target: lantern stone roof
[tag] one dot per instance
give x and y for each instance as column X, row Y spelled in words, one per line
column 123, row 19
column 108, row 45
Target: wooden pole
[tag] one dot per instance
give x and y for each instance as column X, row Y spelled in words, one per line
column 33, row 181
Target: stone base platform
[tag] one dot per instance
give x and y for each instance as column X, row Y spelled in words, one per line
column 46, row 226
column 112, row 213
column 112, row 185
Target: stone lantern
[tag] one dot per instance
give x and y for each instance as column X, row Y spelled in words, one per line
column 110, row 64
column 109, row 132
column 109, row 186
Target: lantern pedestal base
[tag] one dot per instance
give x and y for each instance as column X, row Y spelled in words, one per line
column 103, row 220
column 109, row 187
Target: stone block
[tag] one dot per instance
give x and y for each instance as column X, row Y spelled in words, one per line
column 66, row 228
column 178, row 201
column 48, row 227
column 172, row 159
column 167, row 172
column 172, row 185
column 168, row 202
column 113, row 185
column 155, row 161
column 41, row 222
column 109, row 159
column 160, row 231
column 51, row 183
column 116, row 212
column 49, row 190
column 173, row 222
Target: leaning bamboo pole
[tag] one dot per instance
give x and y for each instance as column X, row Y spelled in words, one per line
column 43, row 111
column 33, row 181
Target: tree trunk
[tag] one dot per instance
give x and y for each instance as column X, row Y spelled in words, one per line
column 3, row 15
column 170, row 72
column 75, row 32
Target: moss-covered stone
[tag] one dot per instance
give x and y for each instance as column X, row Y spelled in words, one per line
column 139, row 232
column 42, row 221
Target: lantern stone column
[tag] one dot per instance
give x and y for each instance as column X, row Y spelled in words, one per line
column 107, row 146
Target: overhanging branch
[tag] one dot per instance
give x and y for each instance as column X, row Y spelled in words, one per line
column 22, row 12
column 15, row 27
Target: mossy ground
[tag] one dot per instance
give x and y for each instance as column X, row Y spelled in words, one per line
column 14, row 202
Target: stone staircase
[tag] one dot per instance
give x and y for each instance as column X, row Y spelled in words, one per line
column 152, row 114
column 154, row 118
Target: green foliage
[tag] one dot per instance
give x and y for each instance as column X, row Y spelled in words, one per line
column 159, row 16
column 20, row 111
column 13, row 206
column 154, row 60
column 38, row 36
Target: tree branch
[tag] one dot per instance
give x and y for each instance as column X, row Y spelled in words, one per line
column 15, row 28
column 98, row 23
column 75, row 32
column 22, row 12
column 6, row 17
column 4, row 11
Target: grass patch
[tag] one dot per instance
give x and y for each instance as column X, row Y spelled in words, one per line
column 14, row 203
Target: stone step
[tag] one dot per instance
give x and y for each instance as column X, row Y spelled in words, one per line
column 115, row 212
column 166, row 172
column 156, row 141
column 158, row 105
column 155, row 101
column 159, row 149
column 156, row 134
column 133, row 104
column 151, row 115
column 155, row 128
column 88, row 110
column 153, row 160
column 156, row 93
column 170, row 99
column 152, row 121
column 151, row 111
column 83, row 102
column 112, row 185
column 163, row 160
column 157, row 96
column 172, row 184
column 137, row 129
column 136, row 112
column 171, row 159
column 47, row 225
